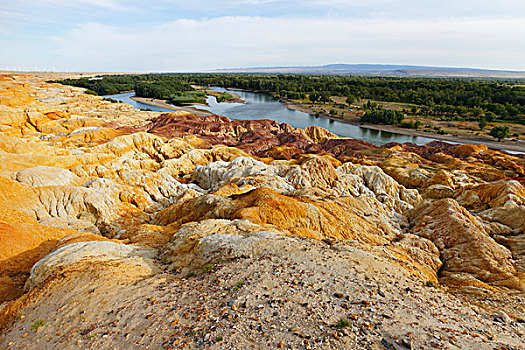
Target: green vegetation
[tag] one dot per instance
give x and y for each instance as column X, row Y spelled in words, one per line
column 238, row 285
column 108, row 85
column 343, row 323
column 187, row 97
column 410, row 124
column 446, row 99
column 500, row 132
column 223, row 97
column 382, row 116
column 207, row 268
column 162, row 90
column 431, row 284
column 453, row 99
column 482, row 123
column 37, row 324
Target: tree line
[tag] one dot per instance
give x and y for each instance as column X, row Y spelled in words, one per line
column 449, row 98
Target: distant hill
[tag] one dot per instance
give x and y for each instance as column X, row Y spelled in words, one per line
column 382, row 70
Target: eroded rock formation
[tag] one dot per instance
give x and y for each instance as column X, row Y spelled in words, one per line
column 100, row 194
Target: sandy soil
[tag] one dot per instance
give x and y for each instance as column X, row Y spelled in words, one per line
column 292, row 302
column 164, row 104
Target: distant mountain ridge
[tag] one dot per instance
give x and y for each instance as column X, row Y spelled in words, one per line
column 382, row 70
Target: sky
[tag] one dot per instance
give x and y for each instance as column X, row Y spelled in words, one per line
column 196, row 35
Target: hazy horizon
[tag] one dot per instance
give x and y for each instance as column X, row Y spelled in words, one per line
column 182, row 36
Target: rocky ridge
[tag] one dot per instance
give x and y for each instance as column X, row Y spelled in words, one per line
column 225, row 234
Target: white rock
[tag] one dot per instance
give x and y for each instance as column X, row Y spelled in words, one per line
column 506, row 318
column 217, row 174
column 41, row 176
column 218, row 240
column 130, row 261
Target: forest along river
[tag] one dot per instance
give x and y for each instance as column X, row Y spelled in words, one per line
column 261, row 106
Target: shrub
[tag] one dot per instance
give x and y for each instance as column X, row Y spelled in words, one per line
column 343, row 323
column 430, row 284
column 187, row 97
column 37, row 324
column 382, row 116
column 500, row 132
column 238, row 285
column 207, row 268
column 224, row 97
column 410, row 124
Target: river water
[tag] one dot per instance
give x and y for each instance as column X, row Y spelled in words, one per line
column 261, row 106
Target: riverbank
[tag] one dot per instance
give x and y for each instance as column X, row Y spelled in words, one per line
column 164, row 104
column 235, row 98
column 507, row 145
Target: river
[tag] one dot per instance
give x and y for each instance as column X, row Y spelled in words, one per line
column 261, row 106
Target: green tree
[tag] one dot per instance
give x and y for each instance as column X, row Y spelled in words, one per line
column 314, row 96
column 490, row 116
column 500, row 132
column 482, row 122
column 325, row 96
column 351, row 99
column 477, row 112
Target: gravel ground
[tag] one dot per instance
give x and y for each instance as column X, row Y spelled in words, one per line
column 320, row 298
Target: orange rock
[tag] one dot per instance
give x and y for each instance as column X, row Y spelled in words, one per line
column 308, row 214
column 316, row 133
column 21, row 246
column 491, row 195
column 464, row 151
column 466, row 248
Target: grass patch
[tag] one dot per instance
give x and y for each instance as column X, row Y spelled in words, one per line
column 37, row 324
column 223, row 97
column 207, row 268
column 188, row 97
column 343, row 323
column 238, row 285
column 431, row 284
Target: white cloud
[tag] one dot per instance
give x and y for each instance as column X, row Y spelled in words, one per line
column 185, row 45
column 107, row 4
